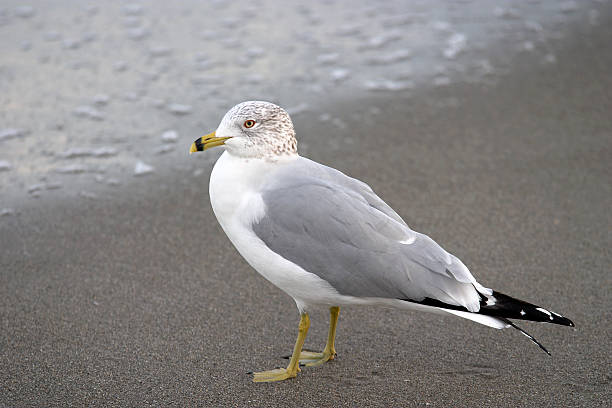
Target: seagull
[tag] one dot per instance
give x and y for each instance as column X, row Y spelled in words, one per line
column 327, row 239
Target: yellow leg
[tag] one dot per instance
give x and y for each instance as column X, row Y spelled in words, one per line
column 293, row 368
column 312, row 359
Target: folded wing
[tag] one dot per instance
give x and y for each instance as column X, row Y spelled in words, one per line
column 348, row 236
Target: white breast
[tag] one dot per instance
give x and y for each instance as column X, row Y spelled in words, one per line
column 234, row 190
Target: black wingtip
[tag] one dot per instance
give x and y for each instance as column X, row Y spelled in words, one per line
column 501, row 305
column 562, row 320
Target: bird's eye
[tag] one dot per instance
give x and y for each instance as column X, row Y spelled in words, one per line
column 249, row 123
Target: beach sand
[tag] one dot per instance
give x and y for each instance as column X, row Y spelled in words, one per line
column 142, row 301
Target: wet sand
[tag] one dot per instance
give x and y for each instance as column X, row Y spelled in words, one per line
column 141, row 300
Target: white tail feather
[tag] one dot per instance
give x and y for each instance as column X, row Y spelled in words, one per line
column 478, row 318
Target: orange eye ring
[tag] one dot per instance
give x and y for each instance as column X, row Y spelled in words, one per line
column 249, row 123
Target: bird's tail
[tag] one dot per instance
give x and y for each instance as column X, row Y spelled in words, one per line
column 497, row 308
column 506, row 307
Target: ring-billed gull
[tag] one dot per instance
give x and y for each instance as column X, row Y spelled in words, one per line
column 327, row 239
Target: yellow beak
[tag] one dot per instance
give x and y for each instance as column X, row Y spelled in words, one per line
column 206, row 142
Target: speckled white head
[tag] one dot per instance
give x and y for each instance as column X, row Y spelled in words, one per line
column 258, row 129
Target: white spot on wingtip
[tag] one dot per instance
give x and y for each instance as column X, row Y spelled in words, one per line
column 523, row 312
column 545, row 311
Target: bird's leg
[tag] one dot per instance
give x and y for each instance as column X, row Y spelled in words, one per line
column 312, row 359
column 293, row 368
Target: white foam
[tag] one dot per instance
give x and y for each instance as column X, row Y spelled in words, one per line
column 52, row 36
column 77, row 169
column 505, row 13
column 5, row 166
column 253, row 79
column 339, row 123
column 392, row 57
column 164, row 149
column 120, row 66
column 88, row 194
column 89, row 112
column 569, row 6
column 11, row 133
column 441, row 80
column 255, row 52
column 179, row 109
column 159, row 51
column 534, row 26
column 101, row 99
column 70, row 44
column 340, row 74
column 387, row 85
column 35, row 188
column 138, row 33
column 25, row 11
column 141, row 168
column 75, row 152
column 330, row 58
column 7, row 211
column 455, row 44
column 169, row 136
column 441, row 26
column 53, row 186
column 550, row 58
column 379, row 41
column 348, row 30
column 133, row 9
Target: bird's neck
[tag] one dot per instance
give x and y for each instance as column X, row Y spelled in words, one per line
column 234, row 177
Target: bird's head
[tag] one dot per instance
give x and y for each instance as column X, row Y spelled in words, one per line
column 252, row 129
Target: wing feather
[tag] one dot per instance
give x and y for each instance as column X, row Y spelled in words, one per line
column 337, row 228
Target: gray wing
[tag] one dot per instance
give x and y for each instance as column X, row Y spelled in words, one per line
column 337, row 228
